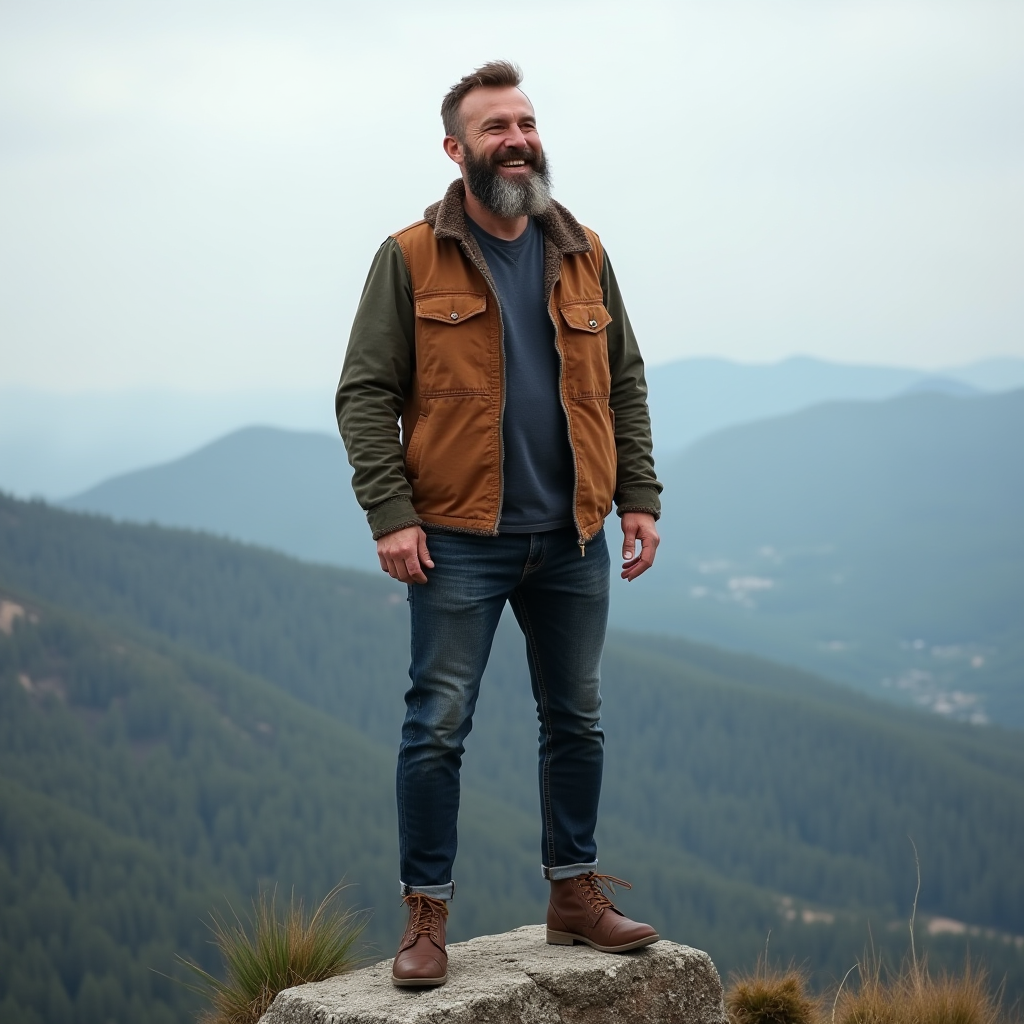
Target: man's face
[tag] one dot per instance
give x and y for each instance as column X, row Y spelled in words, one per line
column 501, row 152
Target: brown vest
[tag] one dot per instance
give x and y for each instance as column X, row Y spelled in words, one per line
column 451, row 423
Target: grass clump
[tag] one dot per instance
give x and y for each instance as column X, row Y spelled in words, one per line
column 771, row 996
column 914, row 996
column 267, row 953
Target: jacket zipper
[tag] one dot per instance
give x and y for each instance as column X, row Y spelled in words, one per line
column 484, row 273
column 581, row 543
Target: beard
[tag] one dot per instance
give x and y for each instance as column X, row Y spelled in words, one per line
column 505, row 198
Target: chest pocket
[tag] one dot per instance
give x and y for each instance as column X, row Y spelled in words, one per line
column 453, row 355
column 585, row 348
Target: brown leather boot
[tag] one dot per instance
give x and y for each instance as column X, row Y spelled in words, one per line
column 579, row 911
column 421, row 959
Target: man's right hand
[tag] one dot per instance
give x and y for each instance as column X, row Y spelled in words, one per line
column 403, row 554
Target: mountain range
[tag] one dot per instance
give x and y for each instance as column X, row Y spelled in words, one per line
column 693, row 398
column 875, row 542
column 56, row 445
column 879, row 543
column 185, row 718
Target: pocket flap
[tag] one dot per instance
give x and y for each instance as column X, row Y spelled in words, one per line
column 451, row 308
column 586, row 316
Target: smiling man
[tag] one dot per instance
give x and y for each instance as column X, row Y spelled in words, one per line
column 494, row 332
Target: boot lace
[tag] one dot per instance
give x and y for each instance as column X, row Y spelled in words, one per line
column 424, row 912
column 596, row 890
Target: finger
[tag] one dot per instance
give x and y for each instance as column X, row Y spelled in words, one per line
column 383, row 563
column 650, row 540
column 413, row 570
column 639, row 565
column 628, row 541
column 424, row 554
column 633, row 556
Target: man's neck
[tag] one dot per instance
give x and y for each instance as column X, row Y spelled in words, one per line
column 501, row 227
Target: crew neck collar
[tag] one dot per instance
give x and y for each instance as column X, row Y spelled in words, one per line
column 511, row 243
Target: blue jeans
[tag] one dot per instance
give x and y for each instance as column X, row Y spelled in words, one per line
column 560, row 601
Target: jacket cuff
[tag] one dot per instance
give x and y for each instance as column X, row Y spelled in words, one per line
column 394, row 514
column 639, row 498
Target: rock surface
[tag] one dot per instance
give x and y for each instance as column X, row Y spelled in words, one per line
column 516, row 977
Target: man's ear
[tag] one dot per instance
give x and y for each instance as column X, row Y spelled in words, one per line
column 453, row 148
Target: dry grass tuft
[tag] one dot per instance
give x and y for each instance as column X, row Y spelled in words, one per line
column 267, row 954
column 916, row 997
column 771, row 997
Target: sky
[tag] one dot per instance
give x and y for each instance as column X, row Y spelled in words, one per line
column 191, row 192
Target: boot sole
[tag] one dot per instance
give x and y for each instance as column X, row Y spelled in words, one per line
column 418, row 982
column 569, row 939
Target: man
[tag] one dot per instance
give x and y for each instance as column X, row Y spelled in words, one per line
column 494, row 330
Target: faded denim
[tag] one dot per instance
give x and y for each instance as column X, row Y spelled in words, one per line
column 560, row 601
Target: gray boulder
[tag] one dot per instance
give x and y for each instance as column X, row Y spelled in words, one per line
column 516, row 977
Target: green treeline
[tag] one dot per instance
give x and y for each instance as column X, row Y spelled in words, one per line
column 186, row 719
column 140, row 792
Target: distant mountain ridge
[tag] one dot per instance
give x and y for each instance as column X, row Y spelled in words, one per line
column 693, row 398
column 879, row 543
column 914, row 502
column 57, row 445
column 283, row 489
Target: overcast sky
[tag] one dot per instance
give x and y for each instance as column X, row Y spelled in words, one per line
column 191, row 192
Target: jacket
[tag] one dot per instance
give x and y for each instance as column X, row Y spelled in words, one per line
column 426, row 349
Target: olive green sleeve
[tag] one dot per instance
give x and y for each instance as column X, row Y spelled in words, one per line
column 375, row 379
column 636, row 487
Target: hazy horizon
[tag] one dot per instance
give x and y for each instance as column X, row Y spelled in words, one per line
column 56, row 445
column 1013, row 362
column 193, row 192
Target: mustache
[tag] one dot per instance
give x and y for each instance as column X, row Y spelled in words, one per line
column 527, row 155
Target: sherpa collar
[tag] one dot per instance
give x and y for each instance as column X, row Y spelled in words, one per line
column 563, row 233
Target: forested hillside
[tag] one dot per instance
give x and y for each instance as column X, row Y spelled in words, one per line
column 280, row 488
column 142, row 785
column 163, row 707
column 878, row 543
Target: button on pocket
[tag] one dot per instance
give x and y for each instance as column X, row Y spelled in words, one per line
column 585, row 348
column 453, row 343
column 586, row 316
column 450, row 307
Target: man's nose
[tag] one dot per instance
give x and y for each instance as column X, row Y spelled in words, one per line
column 515, row 137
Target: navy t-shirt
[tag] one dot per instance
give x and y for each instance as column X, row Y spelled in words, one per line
column 537, row 467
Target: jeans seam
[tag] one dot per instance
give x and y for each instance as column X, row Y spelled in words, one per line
column 542, row 689
column 403, row 831
column 528, row 568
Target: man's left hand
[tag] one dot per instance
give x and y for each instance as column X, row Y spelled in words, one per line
column 638, row 526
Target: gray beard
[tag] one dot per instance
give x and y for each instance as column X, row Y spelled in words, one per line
column 509, row 199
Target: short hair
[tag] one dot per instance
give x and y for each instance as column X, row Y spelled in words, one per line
column 495, row 73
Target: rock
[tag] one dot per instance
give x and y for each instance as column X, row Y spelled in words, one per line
column 516, row 977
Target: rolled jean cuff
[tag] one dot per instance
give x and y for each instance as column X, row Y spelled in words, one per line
column 437, row 892
column 557, row 874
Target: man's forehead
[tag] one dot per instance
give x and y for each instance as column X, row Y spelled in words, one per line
column 506, row 103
